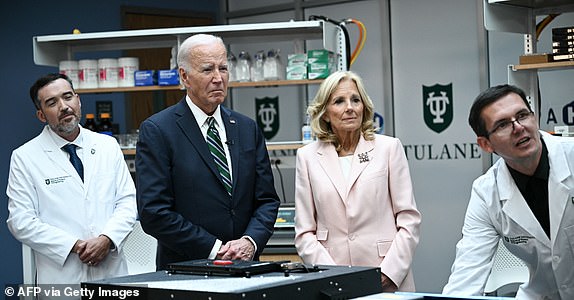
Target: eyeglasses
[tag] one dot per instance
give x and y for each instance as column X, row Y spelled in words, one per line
column 506, row 127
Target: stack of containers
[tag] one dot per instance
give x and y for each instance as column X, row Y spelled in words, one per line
column 296, row 66
column 320, row 63
column 563, row 43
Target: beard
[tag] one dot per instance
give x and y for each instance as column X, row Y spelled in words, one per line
column 64, row 128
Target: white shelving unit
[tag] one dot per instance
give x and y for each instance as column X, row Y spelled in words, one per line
column 49, row 50
column 519, row 16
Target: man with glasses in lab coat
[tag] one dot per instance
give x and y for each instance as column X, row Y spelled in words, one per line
column 526, row 199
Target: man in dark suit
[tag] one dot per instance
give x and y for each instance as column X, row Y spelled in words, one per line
column 194, row 205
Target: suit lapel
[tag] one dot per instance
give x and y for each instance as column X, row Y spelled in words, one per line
column 361, row 159
column 188, row 125
column 329, row 161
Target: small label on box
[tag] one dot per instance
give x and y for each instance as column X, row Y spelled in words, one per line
column 168, row 77
column 145, row 78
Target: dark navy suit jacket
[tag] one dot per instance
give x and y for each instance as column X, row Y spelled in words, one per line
column 181, row 199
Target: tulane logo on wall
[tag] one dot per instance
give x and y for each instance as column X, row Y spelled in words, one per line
column 267, row 110
column 437, row 106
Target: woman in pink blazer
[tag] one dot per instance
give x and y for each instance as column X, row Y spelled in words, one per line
column 354, row 199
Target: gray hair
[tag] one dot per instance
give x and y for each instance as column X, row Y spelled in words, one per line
column 190, row 43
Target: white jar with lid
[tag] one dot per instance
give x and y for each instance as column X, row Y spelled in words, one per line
column 108, row 72
column 88, row 73
column 70, row 69
column 127, row 66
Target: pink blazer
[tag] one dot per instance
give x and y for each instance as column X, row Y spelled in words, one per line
column 371, row 219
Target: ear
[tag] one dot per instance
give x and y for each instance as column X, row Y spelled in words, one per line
column 485, row 144
column 182, row 76
column 40, row 115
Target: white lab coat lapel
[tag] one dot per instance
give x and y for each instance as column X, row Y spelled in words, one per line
column 329, row 161
column 516, row 207
column 59, row 157
column 361, row 159
column 558, row 193
column 89, row 160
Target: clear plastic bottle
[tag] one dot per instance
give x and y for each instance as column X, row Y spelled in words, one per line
column 306, row 132
column 273, row 68
column 243, row 69
column 232, row 66
column 257, row 66
column 91, row 123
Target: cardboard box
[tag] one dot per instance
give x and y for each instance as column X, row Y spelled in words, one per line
column 535, row 58
column 145, row 78
column 168, row 77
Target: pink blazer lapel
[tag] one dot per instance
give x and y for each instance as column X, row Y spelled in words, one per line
column 329, row 161
column 361, row 159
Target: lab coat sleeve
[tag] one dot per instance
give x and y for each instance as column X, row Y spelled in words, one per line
column 306, row 242
column 397, row 262
column 474, row 252
column 23, row 220
column 124, row 215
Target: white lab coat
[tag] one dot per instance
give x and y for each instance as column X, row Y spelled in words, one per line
column 497, row 210
column 51, row 208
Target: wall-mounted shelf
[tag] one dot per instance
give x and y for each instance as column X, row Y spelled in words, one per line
column 519, row 16
column 545, row 66
column 268, row 83
column 49, row 50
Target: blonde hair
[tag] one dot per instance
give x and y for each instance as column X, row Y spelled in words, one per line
column 317, row 108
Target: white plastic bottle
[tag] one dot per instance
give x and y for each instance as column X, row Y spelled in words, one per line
column 306, row 133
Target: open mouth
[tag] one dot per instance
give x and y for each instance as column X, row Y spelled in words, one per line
column 523, row 141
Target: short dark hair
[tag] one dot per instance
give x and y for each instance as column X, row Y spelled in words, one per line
column 42, row 82
column 486, row 98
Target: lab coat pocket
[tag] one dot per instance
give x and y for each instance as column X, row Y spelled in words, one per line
column 322, row 235
column 383, row 247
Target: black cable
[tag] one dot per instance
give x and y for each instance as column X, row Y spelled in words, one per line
column 277, row 161
column 341, row 25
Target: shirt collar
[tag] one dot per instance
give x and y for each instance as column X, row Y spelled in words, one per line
column 201, row 117
column 61, row 142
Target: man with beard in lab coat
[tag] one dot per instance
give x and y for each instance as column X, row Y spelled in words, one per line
column 526, row 199
column 73, row 207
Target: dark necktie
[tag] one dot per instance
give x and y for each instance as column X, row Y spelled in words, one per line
column 74, row 159
column 218, row 153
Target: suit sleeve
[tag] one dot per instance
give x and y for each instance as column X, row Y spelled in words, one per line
column 398, row 259
column 155, row 197
column 260, row 227
column 308, row 247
